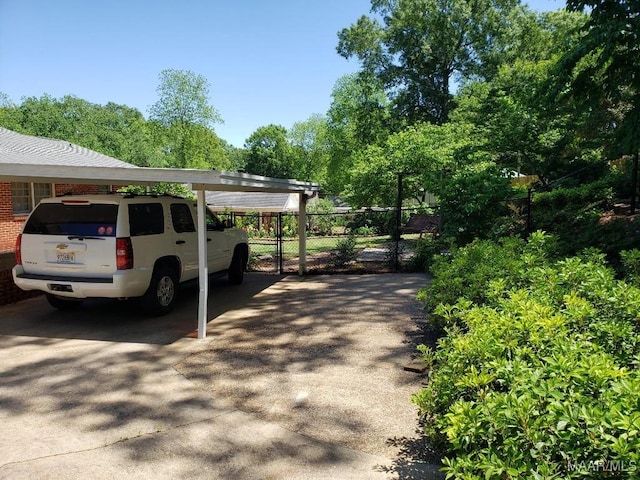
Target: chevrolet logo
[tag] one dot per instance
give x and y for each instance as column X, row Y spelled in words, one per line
column 62, row 246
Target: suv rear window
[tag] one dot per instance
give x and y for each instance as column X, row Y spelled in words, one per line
column 145, row 219
column 95, row 219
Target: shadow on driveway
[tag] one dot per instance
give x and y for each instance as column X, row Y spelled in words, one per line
column 121, row 321
column 300, row 377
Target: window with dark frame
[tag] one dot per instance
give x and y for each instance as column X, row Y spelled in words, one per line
column 181, row 218
column 25, row 196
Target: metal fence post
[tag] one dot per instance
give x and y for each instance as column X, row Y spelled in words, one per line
column 529, row 205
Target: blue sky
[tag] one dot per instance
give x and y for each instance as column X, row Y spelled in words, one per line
column 266, row 61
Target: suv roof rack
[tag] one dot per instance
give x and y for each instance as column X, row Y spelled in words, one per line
column 124, row 194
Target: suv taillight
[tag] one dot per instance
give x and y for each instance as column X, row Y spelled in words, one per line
column 124, row 253
column 19, row 249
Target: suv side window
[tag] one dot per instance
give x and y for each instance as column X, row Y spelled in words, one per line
column 181, row 218
column 145, row 219
column 213, row 222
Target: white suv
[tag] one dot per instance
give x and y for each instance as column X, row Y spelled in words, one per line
column 121, row 246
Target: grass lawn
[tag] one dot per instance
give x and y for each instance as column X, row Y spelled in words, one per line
column 319, row 244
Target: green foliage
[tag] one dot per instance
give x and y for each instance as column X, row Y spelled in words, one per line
column 119, row 131
column 269, row 153
column 115, row 130
column 576, row 216
column 310, row 143
column 372, row 222
column 537, row 376
column 473, row 200
column 320, row 218
column 603, row 68
column 420, row 154
column 414, row 48
column 527, row 129
column 184, row 119
column 468, row 272
column 183, row 100
column 357, row 118
column 631, row 266
column 345, row 251
column 427, row 250
column 175, row 189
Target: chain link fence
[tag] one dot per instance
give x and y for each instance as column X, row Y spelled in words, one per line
column 364, row 241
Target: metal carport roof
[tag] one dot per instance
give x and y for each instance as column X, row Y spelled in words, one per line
column 25, row 158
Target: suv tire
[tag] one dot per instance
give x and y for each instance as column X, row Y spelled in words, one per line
column 160, row 297
column 62, row 303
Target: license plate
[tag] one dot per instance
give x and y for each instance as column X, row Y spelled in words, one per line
column 66, row 258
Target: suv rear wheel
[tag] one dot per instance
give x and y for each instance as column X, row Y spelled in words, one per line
column 62, row 303
column 161, row 294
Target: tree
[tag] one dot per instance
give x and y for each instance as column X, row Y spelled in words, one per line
column 421, row 154
column 115, row 130
column 604, row 69
column 269, row 153
column 183, row 113
column 9, row 114
column 422, row 45
column 358, row 117
column 310, row 148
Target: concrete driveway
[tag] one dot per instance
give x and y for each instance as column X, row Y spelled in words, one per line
column 299, row 378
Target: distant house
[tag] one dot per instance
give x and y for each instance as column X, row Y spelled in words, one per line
column 265, row 205
column 17, row 199
column 244, row 202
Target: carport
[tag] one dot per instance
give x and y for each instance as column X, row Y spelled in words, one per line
column 21, row 162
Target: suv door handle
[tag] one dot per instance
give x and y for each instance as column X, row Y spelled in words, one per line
column 180, row 242
column 208, row 239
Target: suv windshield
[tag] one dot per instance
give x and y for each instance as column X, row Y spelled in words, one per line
column 84, row 220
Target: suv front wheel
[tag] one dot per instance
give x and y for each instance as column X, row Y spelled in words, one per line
column 236, row 269
column 161, row 294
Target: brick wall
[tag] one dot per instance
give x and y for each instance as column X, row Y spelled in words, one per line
column 10, row 224
column 9, row 293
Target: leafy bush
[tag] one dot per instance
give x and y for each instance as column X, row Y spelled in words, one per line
column 345, row 251
column 468, row 271
column 319, row 217
column 174, row 189
column 631, row 265
column 427, row 250
column 376, row 222
column 577, row 217
column 538, row 376
column 472, row 201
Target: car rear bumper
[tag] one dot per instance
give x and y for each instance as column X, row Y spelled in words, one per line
column 124, row 284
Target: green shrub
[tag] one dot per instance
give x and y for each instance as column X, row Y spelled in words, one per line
column 538, row 376
column 320, row 218
column 427, row 250
column 469, row 270
column 375, row 222
column 473, row 199
column 630, row 260
column 175, row 189
column 345, row 251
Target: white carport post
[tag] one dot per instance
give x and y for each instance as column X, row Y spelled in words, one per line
column 202, row 266
column 302, row 233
